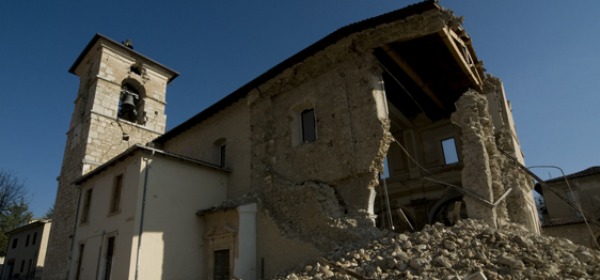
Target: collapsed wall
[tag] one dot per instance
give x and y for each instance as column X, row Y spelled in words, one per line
column 488, row 139
column 321, row 191
column 481, row 173
column 469, row 250
column 522, row 208
column 342, row 83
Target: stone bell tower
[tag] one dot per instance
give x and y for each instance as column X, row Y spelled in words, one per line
column 121, row 102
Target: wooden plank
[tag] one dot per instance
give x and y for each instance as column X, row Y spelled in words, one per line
column 450, row 39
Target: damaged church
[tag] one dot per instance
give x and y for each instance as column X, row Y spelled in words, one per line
column 290, row 165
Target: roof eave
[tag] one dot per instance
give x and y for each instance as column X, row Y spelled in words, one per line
column 135, row 148
column 328, row 40
column 174, row 74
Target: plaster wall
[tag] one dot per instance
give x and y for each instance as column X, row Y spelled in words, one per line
column 271, row 241
column 172, row 243
column 231, row 127
column 173, row 189
column 43, row 241
column 28, row 255
column 102, row 224
column 587, row 192
column 577, row 233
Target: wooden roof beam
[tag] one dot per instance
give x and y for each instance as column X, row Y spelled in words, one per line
column 413, row 75
column 460, row 52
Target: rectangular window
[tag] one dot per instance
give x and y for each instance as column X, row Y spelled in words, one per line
column 222, row 153
column 79, row 261
column 34, row 238
column 450, row 152
column 27, row 241
column 87, row 202
column 221, row 269
column 29, row 268
column 309, row 132
column 115, row 201
column 14, row 243
column 22, row 266
column 110, row 249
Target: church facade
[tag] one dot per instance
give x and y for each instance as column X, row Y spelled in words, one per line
column 289, row 166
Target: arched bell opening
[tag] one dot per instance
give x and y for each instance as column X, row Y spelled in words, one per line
column 131, row 102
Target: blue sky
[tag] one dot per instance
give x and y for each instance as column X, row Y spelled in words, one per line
column 546, row 52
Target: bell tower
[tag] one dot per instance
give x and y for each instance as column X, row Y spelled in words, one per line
column 120, row 102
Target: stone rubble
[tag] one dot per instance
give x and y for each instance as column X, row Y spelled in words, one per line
column 469, row 250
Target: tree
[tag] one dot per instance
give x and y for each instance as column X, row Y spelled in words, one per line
column 14, row 209
column 49, row 213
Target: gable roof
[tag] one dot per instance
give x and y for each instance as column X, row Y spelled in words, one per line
column 330, row 39
column 30, row 225
column 594, row 170
column 135, row 148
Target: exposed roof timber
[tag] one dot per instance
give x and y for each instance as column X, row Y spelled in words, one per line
column 413, row 75
column 414, row 9
column 396, row 114
column 462, row 54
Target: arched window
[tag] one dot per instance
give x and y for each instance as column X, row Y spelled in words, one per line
column 131, row 102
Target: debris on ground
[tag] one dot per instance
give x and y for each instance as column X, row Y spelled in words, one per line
column 469, row 250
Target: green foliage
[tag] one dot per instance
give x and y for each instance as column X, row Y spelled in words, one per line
column 14, row 210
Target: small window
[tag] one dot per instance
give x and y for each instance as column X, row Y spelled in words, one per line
column 34, row 238
column 450, row 152
column 79, row 261
column 136, row 68
column 87, row 202
column 309, row 133
column 115, row 201
column 110, row 249
column 222, row 153
column 15, row 242
column 22, row 266
column 27, row 241
column 221, row 269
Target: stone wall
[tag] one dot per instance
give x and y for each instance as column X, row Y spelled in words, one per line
column 488, row 173
column 338, row 172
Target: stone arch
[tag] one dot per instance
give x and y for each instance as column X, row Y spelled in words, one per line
column 444, row 207
column 131, row 101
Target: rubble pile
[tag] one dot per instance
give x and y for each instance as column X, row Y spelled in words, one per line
column 468, row 250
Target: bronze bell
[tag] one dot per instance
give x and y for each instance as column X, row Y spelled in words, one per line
column 128, row 101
